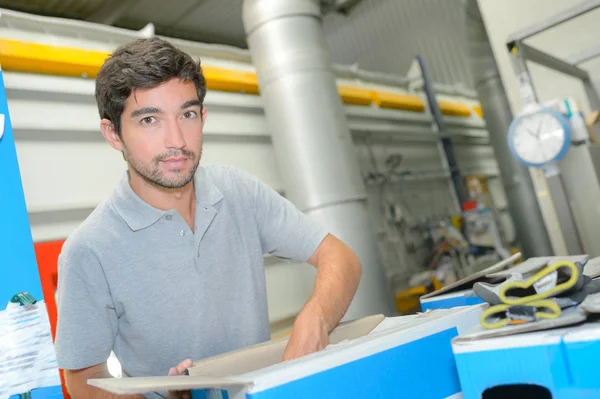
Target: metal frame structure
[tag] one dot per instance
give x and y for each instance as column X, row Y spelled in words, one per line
column 523, row 52
column 568, row 190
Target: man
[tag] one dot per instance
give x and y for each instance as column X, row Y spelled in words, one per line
column 170, row 267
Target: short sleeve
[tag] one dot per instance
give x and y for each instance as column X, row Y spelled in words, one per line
column 87, row 320
column 284, row 230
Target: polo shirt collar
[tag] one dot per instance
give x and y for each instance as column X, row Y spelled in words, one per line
column 138, row 214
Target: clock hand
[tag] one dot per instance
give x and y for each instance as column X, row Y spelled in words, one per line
column 530, row 132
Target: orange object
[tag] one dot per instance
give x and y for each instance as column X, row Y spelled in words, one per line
column 46, row 254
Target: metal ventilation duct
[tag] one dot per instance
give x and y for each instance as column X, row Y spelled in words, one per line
column 522, row 201
column 310, row 134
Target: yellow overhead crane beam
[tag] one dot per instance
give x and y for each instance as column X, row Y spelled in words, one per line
column 41, row 58
column 355, row 95
column 452, row 108
column 407, row 102
column 20, row 56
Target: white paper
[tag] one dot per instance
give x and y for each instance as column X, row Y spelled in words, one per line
column 1, row 125
column 546, row 283
column 27, row 359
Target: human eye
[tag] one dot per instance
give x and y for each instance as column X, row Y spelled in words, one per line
column 189, row 114
column 148, row 120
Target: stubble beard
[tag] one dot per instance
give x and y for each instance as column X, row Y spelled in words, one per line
column 153, row 175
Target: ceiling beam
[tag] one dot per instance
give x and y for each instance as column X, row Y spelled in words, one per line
column 197, row 36
column 110, row 11
column 341, row 6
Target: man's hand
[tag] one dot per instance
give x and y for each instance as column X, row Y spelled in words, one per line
column 310, row 334
column 180, row 370
column 338, row 275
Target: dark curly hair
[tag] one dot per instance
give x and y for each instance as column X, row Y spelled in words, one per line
column 142, row 64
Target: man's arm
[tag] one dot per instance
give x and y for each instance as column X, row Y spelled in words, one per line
column 288, row 233
column 338, row 275
column 76, row 381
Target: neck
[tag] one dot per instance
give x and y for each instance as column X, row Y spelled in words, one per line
column 183, row 199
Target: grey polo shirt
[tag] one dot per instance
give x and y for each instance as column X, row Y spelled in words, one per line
column 138, row 281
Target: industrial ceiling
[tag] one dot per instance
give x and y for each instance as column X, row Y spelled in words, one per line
column 379, row 35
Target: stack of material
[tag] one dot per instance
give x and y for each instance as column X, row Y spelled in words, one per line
column 539, row 289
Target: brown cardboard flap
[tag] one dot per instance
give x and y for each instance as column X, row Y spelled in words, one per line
column 269, row 353
column 142, row 385
column 467, row 282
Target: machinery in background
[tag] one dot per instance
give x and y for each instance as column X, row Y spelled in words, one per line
column 455, row 246
column 432, row 251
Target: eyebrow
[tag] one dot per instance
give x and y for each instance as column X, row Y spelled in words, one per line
column 191, row 103
column 145, row 111
column 154, row 110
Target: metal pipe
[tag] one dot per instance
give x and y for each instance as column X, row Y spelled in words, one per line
column 354, row 72
column 549, row 61
column 310, row 134
column 447, row 153
column 521, row 196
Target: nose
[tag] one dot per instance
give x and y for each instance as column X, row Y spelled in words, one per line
column 174, row 137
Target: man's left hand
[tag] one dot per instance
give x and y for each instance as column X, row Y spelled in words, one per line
column 310, row 334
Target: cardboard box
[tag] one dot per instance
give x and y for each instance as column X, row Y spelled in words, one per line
column 450, row 300
column 375, row 357
column 563, row 360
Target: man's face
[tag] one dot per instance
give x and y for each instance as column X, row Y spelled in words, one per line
column 161, row 133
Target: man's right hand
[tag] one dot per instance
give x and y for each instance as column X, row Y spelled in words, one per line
column 79, row 389
column 180, row 370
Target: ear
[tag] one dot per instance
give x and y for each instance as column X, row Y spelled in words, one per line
column 110, row 134
column 203, row 113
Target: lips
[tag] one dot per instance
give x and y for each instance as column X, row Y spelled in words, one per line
column 175, row 162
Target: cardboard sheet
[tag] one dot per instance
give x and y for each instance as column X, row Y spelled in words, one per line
column 368, row 348
column 467, row 282
column 269, row 353
column 569, row 317
column 592, row 268
column 532, row 265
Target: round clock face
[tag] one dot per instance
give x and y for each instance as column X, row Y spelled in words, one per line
column 539, row 138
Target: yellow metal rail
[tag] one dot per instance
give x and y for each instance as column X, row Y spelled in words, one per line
column 40, row 58
column 20, row 56
column 230, row 80
column 406, row 102
column 355, row 95
column 454, row 109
